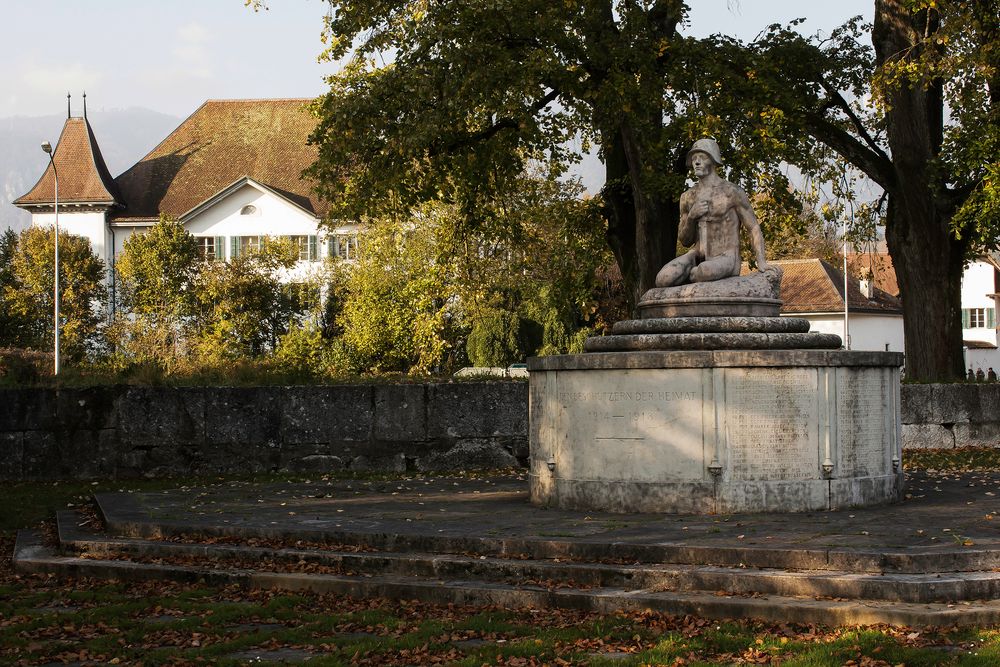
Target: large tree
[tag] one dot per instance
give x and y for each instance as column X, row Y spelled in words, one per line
column 931, row 140
column 28, row 295
column 156, row 270
column 449, row 100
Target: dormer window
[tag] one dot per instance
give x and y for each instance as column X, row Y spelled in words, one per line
column 249, row 209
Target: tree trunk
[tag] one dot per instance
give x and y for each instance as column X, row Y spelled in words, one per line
column 642, row 227
column 929, row 271
column 927, row 257
column 619, row 212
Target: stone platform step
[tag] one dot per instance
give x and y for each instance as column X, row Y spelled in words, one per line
column 896, row 587
column 123, row 521
column 32, row 556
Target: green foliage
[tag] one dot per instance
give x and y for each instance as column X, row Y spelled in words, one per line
column 11, row 325
column 28, row 292
column 793, row 222
column 396, row 313
column 414, row 116
column 241, row 306
column 494, row 340
column 302, row 349
column 525, row 281
column 156, row 270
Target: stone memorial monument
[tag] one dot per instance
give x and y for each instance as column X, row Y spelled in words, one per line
column 710, row 402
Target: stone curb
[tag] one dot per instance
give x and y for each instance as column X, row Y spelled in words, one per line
column 916, row 588
column 31, row 557
column 125, row 518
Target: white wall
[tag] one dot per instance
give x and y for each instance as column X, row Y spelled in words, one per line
column 89, row 224
column 977, row 284
column 982, row 358
column 868, row 331
column 273, row 217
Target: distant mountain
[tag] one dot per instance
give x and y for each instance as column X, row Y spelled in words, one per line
column 124, row 136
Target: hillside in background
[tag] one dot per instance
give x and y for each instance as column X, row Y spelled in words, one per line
column 124, row 135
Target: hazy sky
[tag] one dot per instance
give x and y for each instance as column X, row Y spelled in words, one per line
column 172, row 55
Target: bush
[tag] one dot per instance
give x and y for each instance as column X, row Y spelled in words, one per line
column 494, row 340
column 24, row 367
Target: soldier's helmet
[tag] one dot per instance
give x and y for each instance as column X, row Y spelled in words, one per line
column 708, row 146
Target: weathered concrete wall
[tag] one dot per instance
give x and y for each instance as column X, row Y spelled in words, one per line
column 136, row 431
column 951, row 415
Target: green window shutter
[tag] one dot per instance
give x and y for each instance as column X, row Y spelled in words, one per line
column 966, row 320
column 991, row 321
column 313, row 249
column 234, row 247
column 220, row 248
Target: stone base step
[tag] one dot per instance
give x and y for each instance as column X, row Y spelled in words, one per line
column 896, row 587
column 126, row 521
column 32, row 556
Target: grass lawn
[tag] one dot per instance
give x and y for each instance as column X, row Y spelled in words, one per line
column 44, row 620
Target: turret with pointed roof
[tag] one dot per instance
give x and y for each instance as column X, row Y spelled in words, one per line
column 84, row 178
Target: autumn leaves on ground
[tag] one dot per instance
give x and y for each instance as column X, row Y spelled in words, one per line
column 44, row 620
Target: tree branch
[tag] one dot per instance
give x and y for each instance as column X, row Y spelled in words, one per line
column 506, row 123
column 876, row 165
column 836, row 100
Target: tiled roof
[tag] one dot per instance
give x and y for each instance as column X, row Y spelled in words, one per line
column 814, row 286
column 879, row 265
column 221, row 142
column 83, row 176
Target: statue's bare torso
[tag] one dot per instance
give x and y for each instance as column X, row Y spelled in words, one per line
column 712, row 213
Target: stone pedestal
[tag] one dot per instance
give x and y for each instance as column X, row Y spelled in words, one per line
column 715, row 431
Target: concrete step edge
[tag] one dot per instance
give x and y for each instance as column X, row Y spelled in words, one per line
column 892, row 587
column 32, row 557
column 965, row 560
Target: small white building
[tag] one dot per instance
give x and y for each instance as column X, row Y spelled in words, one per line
column 980, row 282
column 813, row 289
column 231, row 173
column 979, row 307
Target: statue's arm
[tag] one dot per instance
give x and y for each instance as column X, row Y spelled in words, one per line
column 687, row 232
column 748, row 219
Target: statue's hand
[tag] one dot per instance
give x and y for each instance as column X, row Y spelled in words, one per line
column 764, row 267
column 699, row 209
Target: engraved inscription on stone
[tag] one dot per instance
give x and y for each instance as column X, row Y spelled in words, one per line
column 861, row 405
column 771, row 424
column 632, row 425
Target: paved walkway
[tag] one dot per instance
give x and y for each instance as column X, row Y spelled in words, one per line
column 943, row 513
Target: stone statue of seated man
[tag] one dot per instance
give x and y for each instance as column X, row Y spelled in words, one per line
column 712, row 213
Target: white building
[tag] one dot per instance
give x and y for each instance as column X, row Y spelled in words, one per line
column 979, row 321
column 231, row 173
column 813, row 289
column 980, row 281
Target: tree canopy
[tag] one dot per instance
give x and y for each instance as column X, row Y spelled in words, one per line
column 156, row 270
column 918, row 114
column 450, row 100
column 27, row 291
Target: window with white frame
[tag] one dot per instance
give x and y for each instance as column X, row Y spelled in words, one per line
column 239, row 245
column 211, row 248
column 344, row 246
column 978, row 318
column 306, row 247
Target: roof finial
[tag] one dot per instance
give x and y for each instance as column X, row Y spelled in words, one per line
column 85, row 105
column 69, row 112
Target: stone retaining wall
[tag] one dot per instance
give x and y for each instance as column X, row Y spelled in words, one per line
column 951, row 415
column 122, row 432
